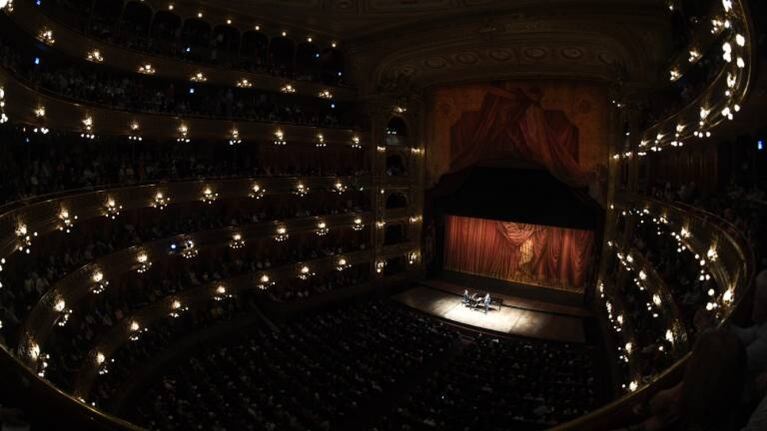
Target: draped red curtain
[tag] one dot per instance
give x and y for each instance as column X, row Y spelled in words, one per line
column 510, row 124
column 517, row 252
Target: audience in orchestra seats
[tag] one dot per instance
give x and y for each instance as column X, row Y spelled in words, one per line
column 327, row 371
column 59, row 162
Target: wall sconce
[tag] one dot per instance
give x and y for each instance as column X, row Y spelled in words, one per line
column 356, row 142
column 143, row 263
column 88, row 128
column 235, row 137
column 301, row 190
column 412, row 257
column 103, row 363
column 183, row 131
column 281, row 234
column 339, row 187
column 112, row 209
column 288, row 89
column 134, row 132
column 67, row 221
column 342, row 264
column 220, row 293
column 40, row 111
column 99, row 284
column 198, row 77
column 322, row 229
column 176, row 308
column 325, row 94
column 95, row 56
column 357, row 224
column 60, row 306
column 135, row 330
column 256, row 192
column 209, row 196
column 160, row 201
column 190, row 250
column 264, row 282
column 320, row 141
column 304, row 273
column 24, row 238
column 146, row 69
column 380, row 265
column 244, row 83
column 237, row 242
column 46, row 36
column 279, row 138
column 380, row 224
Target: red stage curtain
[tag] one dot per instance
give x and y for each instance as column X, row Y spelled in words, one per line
column 517, row 252
column 511, row 125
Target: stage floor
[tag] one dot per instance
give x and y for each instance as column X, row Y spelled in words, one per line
column 514, row 319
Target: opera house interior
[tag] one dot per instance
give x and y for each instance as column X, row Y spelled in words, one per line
column 383, row 215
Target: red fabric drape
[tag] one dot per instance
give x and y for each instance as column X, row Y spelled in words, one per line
column 512, row 125
column 517, row 252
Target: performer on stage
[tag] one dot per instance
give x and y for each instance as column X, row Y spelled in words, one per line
column 487, row 301
column 466, row 298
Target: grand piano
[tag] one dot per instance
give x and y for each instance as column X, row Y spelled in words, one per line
column 476, row 301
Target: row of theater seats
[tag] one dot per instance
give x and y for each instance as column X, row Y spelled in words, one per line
column 348, row 368
column 90, row 83
column 33, row 164
column 195, row 40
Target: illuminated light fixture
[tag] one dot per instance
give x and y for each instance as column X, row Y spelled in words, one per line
column 325, row 94
column 288, row 89
column 740, row 40
column 400, row 109
column 727, row 5
column 170, row 6
column 99, row 284
column 135, row 330
column 380, row 224
column 256, row 191
column 198, row 77
column 284, row 33
column 3, row 117
column 656, row 300
column 320, row 141
column 356, row 142
column 134, row 131
column 629, row 347
column 103, row 364
column 279, row 138
column 220, row 293
column 741, row 63
column 727, row 52
column 415, row 219
column 333, row 44
column 417, row 151
column 380, row 265
column 190, row 250
column 6, row 4
column 281, row 234
column 684, row 233
column 46, row 36
column 674, row 75
column 229, row 21
column 88, row 128
column 244, row 83
column 160, row 201
column 305, row 272
column 183, row 131
column 67, row 221
column 711, row 292
column 322, row 229
column 24, row 238
column 642, row 275
column 412, row 257
column 694, row 55
column 176, row 308
column 381, row 149
column 94, row 56
column 257, row 27
column 143, row 263
column 237, row 242
column 234, row 139
column 199, row 15
column 342, row 264
column 42, row 362
column 357, row 224
column 309, row 39
column 60, row 306
column 727, row 113
column 146, row 69
column 728, row 296
column 301, row 190
column 209, row 196
column 40, row 111
column 339, row 187
column 264, row 282
column 633, row 386
column 112, row 209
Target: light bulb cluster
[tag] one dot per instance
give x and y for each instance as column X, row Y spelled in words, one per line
column 198, row 77
column 66, row 221
column 177, row 308
column 112, row 209
column 183, row 134
column 94, row 56
column 281, row 234
column 144, row 264
column 220, row 293
column 320, row 141
column 235, row 139
column 342, row 264
column 103, row 363
column 379, row 266
column 279, row 139
column 134, row 132
column 264, row 282
column 209, row 196
column 322, row 228
column 160, row 201
column 99, row 283
column 339, row 187
column 60, row 307
column 237, row 242
column 304, row 272
column 46, row 36
column 24, row 238
column 146, row 69
column 87, row 132
column 256, row 191
column 135, row 331
column 358, row 225
column 3, row 117
column 189, row 250
column 301, row 190
column 356, row 142
column 288, row 89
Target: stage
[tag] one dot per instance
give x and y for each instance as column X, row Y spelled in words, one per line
column 517, row 316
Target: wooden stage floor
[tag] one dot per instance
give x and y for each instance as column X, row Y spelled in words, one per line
column 516, row 317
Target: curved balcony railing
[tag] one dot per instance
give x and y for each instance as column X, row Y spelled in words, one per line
column 76, row 44
column 733, row 270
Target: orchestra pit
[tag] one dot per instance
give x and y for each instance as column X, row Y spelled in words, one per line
column 383, row 215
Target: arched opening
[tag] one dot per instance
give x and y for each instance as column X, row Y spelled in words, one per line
column 307, row 61
column 396, row 132
column 165, row 26
column 396, row 200
column 395, row 165
column 395, row 234
column 104, row 19
column 226, row 43
column 136, row 19
column 332, row 66
column 281, row 56
column 196, row 33
column 255, row 46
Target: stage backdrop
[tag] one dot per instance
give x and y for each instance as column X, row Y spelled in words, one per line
column 543, row 256
column 559, row 126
